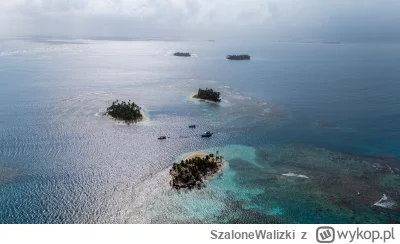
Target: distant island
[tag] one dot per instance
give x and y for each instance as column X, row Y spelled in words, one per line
column 330, row 42
column 195, row 169
column 326, row 124
column 208, row 95
column 238, row 57
column 182, row 54
column 128, row 112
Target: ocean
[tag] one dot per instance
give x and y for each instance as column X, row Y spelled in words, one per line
column 328, row 112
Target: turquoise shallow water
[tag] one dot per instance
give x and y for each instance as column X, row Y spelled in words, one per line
column 62, row 161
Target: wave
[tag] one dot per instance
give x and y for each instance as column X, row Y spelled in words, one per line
column 386, row 202
column 296, row 175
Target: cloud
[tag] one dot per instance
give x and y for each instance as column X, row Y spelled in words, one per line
column 135, row 18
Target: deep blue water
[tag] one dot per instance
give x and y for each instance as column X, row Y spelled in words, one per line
column 62, row 161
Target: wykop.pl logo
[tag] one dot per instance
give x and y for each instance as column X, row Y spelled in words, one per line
column 325, row 234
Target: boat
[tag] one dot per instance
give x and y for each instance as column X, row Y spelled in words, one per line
column 192, row 126
column 162, row 137
column 207, row 134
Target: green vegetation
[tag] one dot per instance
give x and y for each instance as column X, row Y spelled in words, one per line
column 128, row 112
column 208, row 94
column 192, row 172
column 181, row 54
column 238, row 57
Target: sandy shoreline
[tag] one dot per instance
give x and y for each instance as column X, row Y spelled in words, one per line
column 196, row 154
column 203, row 100
column 144, row 117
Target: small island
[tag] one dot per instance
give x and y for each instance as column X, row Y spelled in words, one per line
column 208, row 95
column 238, row 57
column 128, row 112
column 195, row 169
column 182, row 54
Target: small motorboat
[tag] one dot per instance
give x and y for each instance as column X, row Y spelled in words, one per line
column 207, row 134
column 162, row 138
column 192, row 126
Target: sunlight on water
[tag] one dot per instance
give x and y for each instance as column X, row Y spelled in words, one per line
column 63, row 161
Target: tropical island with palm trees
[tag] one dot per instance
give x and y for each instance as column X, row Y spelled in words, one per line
column 129, row 112
column 182, row 54
column 195, row 169
column 208, row 95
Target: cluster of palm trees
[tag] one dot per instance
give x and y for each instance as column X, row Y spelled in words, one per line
column 191, row 172
column 129, row 112
column 208, row 94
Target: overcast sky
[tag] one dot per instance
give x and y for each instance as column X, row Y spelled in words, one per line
column 306, row 19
